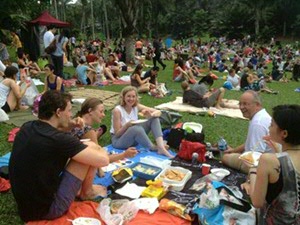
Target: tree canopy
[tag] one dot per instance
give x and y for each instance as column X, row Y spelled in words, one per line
column 176, row 18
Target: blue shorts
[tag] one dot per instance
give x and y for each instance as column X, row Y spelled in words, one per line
column 66, row 193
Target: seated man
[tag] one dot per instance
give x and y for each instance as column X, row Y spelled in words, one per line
column 152, row 74
column 49, row 167
column 260, row 120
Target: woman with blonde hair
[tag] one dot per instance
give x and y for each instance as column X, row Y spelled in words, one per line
column 126, row 130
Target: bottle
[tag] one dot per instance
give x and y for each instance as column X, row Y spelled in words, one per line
column 195, row 158
column 222, row 146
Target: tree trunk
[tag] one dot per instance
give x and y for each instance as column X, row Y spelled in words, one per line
column 106, row 20
column 284, row 29
column 257, row 21
column 129, row 45
column 92, row 20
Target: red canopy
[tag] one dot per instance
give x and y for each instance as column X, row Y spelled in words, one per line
column 46, row 19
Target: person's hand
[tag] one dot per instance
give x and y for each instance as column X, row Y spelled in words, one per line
column 229, row 150
column 246, row 186
column 77, row 122
column 146, row 113
column 156, row 113
column 129, row 123
column 272, row 144
column 130, row 152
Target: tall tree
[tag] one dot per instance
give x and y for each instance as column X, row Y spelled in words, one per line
column 129, row 11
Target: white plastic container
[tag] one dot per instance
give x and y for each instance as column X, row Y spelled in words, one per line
column 173, row 184
column 155, row 161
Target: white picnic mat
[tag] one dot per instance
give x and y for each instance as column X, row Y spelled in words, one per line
column 178, row 106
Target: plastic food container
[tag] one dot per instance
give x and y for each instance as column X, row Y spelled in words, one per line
column 145, row 171
column 155, row 161
column 176, row 185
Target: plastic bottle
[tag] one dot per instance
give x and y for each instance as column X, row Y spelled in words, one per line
column 222, row 146
column 195, row 158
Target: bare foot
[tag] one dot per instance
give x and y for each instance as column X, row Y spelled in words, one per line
column 97, row 190
column 23, row 107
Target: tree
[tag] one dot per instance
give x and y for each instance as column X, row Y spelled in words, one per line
column 129, row 11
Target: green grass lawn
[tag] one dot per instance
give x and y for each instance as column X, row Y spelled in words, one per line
column 233, row 130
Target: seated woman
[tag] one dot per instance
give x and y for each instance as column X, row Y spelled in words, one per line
column 85, row 74
column 252, row 82
column 196, row 99
column 102, row 72
column 10, row 93
column 273, row 185
column 113, row 65
column 52, row 82
column 32, row 67
column 179, row 72
column 123, row 130
column 92, row 112
column 142, row 85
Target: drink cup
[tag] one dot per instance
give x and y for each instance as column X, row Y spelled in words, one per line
column 205, row 169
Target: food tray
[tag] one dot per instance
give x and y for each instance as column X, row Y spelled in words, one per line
column 254, row 158
column 145, row 171
column 173, row 184
column 155, row 161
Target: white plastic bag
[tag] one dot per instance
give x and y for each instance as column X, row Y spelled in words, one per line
column 104, row 211
column 128, row 211
column 3, row 115
column 30, row 93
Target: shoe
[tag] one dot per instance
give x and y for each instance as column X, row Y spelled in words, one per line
column 164, row 67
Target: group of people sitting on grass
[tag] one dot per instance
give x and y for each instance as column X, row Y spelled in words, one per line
column 74, row 163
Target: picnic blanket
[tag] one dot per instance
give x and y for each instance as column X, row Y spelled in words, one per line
column 178, row 106
column 89, row 209
column 109, row 98
column 107, row 179
column 18, row 118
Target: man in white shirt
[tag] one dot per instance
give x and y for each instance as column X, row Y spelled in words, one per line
column 260, row 120
column 49, row 35
column 234, row 79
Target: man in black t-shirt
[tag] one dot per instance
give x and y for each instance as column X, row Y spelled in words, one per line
column 152, row 74
column 48, row 167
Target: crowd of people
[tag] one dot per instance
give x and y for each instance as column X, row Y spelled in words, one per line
column 43, row 193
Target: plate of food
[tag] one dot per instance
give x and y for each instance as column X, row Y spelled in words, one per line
column 139, row 121
column 250, row 158
column 219, row 172
column 86, row 221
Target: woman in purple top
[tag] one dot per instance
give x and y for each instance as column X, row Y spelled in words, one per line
column 52, row 82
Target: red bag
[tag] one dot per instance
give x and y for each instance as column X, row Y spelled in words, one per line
column 187, row 148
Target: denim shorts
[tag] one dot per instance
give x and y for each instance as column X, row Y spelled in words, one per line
column 66, row 193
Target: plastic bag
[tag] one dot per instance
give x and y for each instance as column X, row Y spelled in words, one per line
column 3, row 115
column 104, row 211
column 30, row 93
column 210, row 199
column 174, row 209
column 128, row 211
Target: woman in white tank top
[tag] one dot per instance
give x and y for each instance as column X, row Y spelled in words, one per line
column 125, row 132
